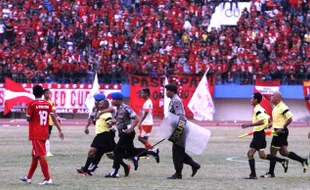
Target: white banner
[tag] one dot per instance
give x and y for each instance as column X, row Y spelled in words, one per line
column 268, row 90
column 224, row 16
column 67, row 98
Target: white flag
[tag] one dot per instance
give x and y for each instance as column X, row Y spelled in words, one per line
column 90, row 100
column 201, row 104
column 166, row 99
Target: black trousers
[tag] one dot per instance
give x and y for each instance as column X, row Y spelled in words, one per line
column 180, row 157
column 126, row 149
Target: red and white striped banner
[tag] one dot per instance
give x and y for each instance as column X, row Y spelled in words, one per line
column 68, row 98
column 71, row 86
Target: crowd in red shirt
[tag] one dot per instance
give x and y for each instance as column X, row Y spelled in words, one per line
column 66, row 41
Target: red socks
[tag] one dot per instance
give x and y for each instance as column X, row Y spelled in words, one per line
column 33, row 168
column 44, row 168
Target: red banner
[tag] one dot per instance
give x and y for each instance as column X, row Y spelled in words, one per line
column 267, row 88
column 187, row 86
column 306, row 85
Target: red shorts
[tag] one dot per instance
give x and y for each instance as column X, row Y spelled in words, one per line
column 145, row 130
column 38, row 148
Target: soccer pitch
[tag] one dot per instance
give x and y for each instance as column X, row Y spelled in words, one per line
column 224, row 163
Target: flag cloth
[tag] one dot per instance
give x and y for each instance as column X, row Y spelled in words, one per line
column 306, row 86
column 201, row 104
column 166, row 99
column 15, row 94
column 267, row 88
column 90, row 100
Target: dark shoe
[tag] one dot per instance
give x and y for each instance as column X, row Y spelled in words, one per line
column 113, row 174
column 127, row 170
column 110, row 175
column 82, row 172
column 251, row 177
column 135, row 161
column 155, row 153
column 175, row 176
column 268, row 175
column 195, row 168
column 305, row 165
column 285, row 165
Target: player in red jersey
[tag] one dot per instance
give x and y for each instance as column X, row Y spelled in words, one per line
column 38, row 113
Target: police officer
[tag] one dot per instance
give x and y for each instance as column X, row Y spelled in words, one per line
column 178, row 152
column 126, row 120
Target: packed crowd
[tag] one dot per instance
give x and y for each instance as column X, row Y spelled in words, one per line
column 66, row 41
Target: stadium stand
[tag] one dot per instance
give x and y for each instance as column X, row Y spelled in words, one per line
column 66, row 41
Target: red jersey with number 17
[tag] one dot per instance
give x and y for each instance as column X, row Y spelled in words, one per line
column 39, row 111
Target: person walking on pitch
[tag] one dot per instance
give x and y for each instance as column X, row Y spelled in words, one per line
column 146, row 123
column 38, row 113
column 179, row 155
column 260, row 123
column 282, row 117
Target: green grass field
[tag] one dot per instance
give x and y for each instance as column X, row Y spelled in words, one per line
column 224, row 163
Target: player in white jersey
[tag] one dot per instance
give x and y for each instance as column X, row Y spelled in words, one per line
column 146, row 123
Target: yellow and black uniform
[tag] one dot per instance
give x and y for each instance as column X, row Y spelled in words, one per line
column 103, row 140
column 50, row 120
column 280, row 115
column 259, row 137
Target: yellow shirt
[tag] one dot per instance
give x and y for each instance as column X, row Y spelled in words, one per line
column 185, row 38
column 103, row 123
column 50, row 120
column 204, row 37
column 260, row 114
column 280, row 115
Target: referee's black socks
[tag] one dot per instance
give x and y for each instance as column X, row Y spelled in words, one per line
column 274, row 158
column 89, row 160
column 294, row 156
column 252, row 166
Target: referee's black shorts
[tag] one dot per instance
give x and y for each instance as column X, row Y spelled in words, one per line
column 281, row 139
column 103, row 142
column 259, row 140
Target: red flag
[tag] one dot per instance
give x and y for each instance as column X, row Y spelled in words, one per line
column 306, row 85
column 267, row 88
column 14, row 94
